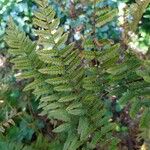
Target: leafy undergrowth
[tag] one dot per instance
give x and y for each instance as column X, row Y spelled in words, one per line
column 90, row 95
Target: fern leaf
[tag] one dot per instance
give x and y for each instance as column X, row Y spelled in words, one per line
column 62, row 40
column 57, row 81
column 102, row 20
column 52, row 106
column 68, row 98
column 62, row 128
column 89, row 55
column 55, row 23
column 41, row 91
column 74, row 105
column 145, row 120
column 67, row 50
column 59, row 114
column 68, row 141
column 78, row 112
column 83, row 127
column 33, row 85
column 53, row 70
column 50, row 98
column 63, row 88
column 27, row 75
column 135, row 107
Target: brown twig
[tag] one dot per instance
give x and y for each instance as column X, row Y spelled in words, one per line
column 72, row 9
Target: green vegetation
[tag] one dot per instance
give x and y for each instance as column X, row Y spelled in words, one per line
column 75, row 86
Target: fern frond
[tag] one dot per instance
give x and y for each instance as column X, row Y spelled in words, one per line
column 53, row 70
column 69, row 82
column 62, row 128
column 106, row 16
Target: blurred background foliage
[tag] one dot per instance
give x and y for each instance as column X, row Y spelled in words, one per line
column 74, row 16
column 18, row 113
column 142, row 40
column 20, row 10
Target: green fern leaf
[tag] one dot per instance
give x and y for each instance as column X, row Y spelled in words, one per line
column 68, row 98
column 83, row 127
column 62, row 128
column 63, row 88
column 57, row 81
column 78, row 112
column 53, row 70
column 59, row 114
